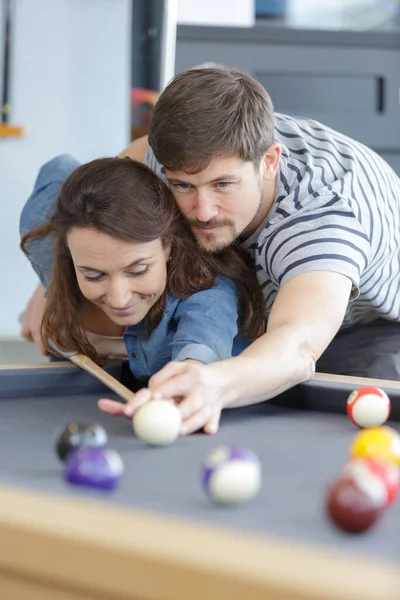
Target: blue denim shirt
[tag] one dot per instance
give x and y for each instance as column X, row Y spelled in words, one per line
column 201, row 327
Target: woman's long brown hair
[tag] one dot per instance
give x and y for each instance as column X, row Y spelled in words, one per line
column 126, row 200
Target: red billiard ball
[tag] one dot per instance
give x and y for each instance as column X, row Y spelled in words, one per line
column 368, row 407
column 363, row 468
column 355, row 508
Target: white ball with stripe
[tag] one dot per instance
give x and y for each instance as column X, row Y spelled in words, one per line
column 368, row 407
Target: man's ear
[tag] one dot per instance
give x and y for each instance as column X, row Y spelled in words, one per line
column 270, row 161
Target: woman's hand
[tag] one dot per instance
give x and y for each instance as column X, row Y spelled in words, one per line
column 32, row 319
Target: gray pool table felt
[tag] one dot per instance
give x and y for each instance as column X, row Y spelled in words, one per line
column 301, row 452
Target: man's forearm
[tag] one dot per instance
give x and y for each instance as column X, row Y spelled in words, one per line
column 274, row 363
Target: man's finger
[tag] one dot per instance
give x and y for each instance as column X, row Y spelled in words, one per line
column 141, row 397
column 165, row 374
column 197, row 420
column 212, row 425
column 111, row 407
column 180, row 385
column 190, row 405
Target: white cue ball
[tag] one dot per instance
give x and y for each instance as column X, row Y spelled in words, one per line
column 157, row 423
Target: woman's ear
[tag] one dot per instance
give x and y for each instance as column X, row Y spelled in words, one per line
column 167, row 252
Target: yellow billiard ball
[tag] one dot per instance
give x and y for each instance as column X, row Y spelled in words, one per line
column 377, row 442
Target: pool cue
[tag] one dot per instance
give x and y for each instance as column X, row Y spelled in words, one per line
column 88, row 365
column 5, row 102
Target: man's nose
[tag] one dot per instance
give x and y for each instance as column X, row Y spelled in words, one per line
column 205, row 208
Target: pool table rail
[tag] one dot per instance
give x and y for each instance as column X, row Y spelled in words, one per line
column 69, row 548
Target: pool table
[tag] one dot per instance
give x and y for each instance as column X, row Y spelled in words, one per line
column 158, row 536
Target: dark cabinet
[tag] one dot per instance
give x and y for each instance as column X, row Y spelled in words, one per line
column 347, row 80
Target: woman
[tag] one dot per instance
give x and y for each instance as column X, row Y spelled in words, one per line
column 129, row 280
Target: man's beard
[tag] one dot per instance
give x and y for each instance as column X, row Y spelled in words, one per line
column 207, row 241
column 227, row 223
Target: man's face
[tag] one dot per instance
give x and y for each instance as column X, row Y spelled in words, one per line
column 230, row 198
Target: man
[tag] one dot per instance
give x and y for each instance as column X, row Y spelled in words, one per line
column 317, row 212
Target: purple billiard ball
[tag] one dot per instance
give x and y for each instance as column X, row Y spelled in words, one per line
column 232, row 475
column 94, row 467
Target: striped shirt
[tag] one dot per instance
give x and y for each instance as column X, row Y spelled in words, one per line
column 336, row 208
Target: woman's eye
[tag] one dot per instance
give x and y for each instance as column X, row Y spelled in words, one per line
column 94, row 279
column 140, row 272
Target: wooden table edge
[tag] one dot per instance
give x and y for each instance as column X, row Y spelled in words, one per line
column 319, row 377
column 89, row 547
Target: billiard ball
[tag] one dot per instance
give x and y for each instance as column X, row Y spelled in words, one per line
column 94, row 467
column 363, row 468
column 368, row 407
column 78, row 435
column 377, row 442
column 232, row 475
column 157, row 423
column 355, row 506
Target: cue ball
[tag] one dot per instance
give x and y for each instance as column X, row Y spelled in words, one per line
column 94, row 467
column 378, row 442
column 360, row 469
column 78, row 435
column 232, row 475
column 157, row 423
column 355, row 506
column 368, row 407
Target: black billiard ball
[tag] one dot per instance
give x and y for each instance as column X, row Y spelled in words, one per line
column 78, row 435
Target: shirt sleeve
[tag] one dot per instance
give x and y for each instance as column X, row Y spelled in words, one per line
column 327, row 236
column 38, row 210
column 151, row 162
column 206, row 324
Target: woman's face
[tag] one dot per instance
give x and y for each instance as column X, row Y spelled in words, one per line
column 124, row 279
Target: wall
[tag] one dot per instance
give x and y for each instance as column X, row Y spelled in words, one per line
column 70, row 88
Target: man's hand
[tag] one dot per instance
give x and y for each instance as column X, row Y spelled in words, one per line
column 195, row 414
column 199, row 390
column 32, row 319
column 305, row 317
column 119, row 409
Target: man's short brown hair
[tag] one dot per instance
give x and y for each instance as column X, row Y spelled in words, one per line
column 210, row 112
